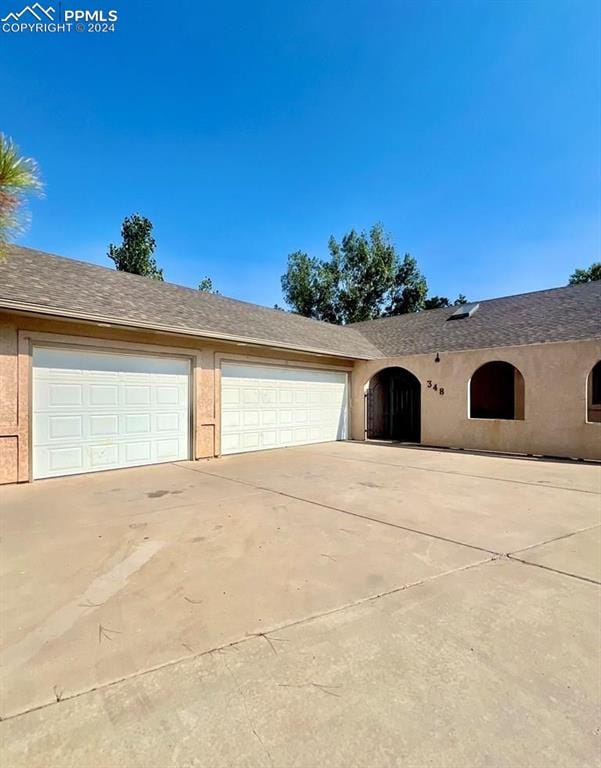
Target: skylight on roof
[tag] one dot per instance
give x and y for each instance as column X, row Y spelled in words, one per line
column 463, row 310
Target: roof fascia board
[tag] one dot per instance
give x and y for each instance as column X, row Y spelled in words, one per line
column 464, row 350
column 105, row 321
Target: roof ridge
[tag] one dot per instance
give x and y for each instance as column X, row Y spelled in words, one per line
column 481, row 301
column 35, row 281
column 194, row 291
column 125, row 295
column 129, row 275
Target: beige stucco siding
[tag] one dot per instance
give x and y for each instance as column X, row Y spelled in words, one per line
column 555, row 408
column 555, row 377
column 18, row 333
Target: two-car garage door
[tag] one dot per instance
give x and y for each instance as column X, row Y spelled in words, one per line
column 271, row 407
column 96, row 410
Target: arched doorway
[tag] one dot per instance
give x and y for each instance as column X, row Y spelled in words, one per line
column 393, row 406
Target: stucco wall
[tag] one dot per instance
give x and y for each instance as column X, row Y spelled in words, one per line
column 555, row 378
column 19, row 333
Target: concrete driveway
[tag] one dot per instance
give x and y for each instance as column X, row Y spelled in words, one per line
column 333, row 605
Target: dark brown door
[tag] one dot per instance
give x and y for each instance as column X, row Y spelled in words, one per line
column 393, row 406
column 405, row 410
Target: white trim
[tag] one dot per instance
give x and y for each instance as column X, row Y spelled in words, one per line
column 111, row 322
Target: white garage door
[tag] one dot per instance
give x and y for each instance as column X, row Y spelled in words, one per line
column 265, row 407
column 94, row 410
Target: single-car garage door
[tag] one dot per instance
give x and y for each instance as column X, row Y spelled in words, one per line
column 95, row 410
column 268, row 407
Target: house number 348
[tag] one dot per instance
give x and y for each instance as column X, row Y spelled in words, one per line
column 435, row 387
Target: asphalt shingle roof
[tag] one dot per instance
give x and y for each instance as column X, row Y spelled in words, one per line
column 557, row 314
column 35, row 281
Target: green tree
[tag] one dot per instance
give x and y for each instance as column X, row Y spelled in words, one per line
column 410, row 289
column 363, row 278
column 436, row 302
column 364, row 266
column 19, row 177
column 586, row 275
column 135, row 254
column 206, row 285
column 309, row 287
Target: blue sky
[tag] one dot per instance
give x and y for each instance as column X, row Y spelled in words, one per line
column 245, row 131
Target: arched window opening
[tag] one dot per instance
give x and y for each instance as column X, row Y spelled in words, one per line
column 594, row 394
column 497, row 392
column 393, row 408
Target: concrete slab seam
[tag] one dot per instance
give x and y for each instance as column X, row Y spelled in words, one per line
column 348, row 512
column 249, row 637
column 557, row 538
column 462, row 474
column 554, row 570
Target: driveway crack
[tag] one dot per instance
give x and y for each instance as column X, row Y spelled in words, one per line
column 246, row 712
column 462, row 474
column 345, row 511
column 550, row 541
column 253, row 636
column 553, row 570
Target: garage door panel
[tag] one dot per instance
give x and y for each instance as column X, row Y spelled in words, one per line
column 250, row 396
column 231, row 396
column 103, row 395
column 137, row 395
column 167, row 395
column 103, row 456
column 269, row 438
column 103, row 425
column 250, row 418
column 96, row 411
column 268, row 407
column 60, row 459
column 63, row 394
column 230, row 443
column 301, row 435
column 269, row 418
column 250, row 441
column 169, row 422
column 230, row 420
column 168, row 450
column 65, row 427
column 286, row 436
column 136, row 423
column 138, row 452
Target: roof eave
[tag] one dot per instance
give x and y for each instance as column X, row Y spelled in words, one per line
column 104, row 320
